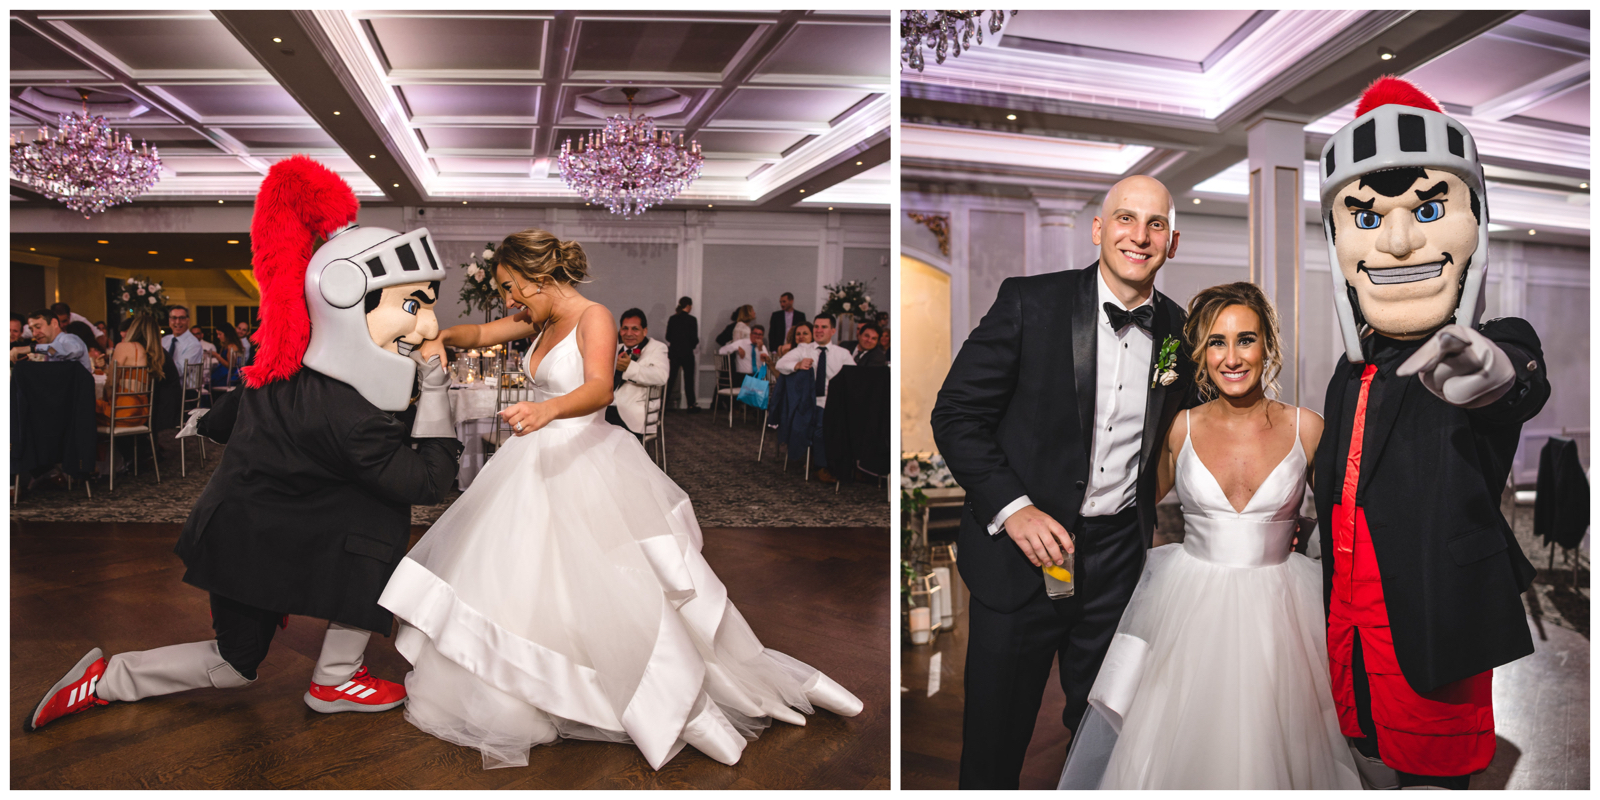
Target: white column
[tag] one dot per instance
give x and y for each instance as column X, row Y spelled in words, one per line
column 1058, row 231
column 830, row 257
column 691, row 272
column 1276, row 166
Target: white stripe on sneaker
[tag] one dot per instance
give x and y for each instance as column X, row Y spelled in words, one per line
column 356, row 688
column 344, row 686
column 72, row 699
column 364, row 695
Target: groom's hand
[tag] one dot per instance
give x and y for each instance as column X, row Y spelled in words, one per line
column 1037, row 534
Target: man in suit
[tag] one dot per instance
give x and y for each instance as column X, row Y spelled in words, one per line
column 1050, row 419
column 309, row 511
column 825, row 359
column 868, row 352
column 1421, row 572
column 783, row 319
column 641, row 365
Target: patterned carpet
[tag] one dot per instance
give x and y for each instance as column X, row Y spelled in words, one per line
column 716, row 465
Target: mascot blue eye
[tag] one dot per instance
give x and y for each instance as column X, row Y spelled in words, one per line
column 411, row 306
column 1429, row 212
column 1367, row 220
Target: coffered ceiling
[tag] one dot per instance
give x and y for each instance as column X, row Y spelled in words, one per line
column 433, row 107
column 1068, row 102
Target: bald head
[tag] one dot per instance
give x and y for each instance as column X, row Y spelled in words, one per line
column 1135, row 234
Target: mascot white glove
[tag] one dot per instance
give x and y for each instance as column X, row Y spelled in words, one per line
column 1463, row 367
column 434, row 419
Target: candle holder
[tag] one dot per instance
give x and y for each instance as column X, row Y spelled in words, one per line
column 943, row 558
column 922, row 615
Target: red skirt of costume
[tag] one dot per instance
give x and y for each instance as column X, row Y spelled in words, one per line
column 1450, row 730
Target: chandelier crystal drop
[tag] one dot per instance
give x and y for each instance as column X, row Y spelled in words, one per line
column 943, row 32
column 629, row 166
column 84, row 165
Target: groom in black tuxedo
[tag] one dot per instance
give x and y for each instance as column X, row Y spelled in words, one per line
column 1050, row 418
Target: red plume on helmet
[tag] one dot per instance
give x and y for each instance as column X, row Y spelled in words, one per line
column 1390, row 90
column 300, row 200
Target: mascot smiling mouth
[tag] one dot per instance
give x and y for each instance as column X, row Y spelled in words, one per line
column 404, row 347
column 1383, row 276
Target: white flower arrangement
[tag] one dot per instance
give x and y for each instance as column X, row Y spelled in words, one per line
column 130, row 302
column 849, row 297
column 478, row 291
column 924, row 471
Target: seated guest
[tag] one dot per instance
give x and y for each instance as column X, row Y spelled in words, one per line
column 742, row 363
column 826, row 359
column 247, row 348
column 229, row 354
column 19, row 330
column 799, row 334
column 67, row 316
column 641, row 364
column 868, row 353
column 54, row 343
column 139, row 347
column 785, row 318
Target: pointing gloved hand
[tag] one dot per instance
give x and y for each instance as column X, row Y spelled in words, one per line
column 434, row 419
column 1462, row 366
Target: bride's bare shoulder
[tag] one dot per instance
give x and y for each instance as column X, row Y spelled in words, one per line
column 1310, row 426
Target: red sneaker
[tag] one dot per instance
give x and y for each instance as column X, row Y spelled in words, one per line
column 73, row 693
column 361, row 693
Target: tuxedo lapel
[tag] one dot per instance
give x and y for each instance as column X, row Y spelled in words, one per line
column 1155, row 401
column 1381, row 421
column 1085, row 318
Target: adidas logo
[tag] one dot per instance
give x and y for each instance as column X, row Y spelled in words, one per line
column 82, row 692
column 351, row 688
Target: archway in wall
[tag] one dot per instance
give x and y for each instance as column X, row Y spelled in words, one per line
column 924, row 335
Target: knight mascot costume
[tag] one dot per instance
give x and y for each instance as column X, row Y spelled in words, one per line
column 1422, row 574
column 309, row 510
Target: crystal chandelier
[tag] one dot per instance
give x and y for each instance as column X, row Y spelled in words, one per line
column 84, row 165
column 945, row 32
column 629, row 166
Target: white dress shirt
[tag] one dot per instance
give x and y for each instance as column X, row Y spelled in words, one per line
column 742, row 348
column 67, row 347
column 189, row 352
column 838, row 358
column 1122, row 385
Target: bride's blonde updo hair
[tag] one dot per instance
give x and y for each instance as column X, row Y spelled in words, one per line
column 1203, row 312
column 535, row 254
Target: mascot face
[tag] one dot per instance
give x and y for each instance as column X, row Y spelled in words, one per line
column 1404, row 238
column 403, row 318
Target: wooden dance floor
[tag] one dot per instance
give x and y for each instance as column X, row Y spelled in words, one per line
column 1541, row 709
column 819, row 594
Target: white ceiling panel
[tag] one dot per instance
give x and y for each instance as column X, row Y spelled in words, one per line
column 789, row 105
column 1179, row 34
column 235, row 100
column 835, row 50
column 145, row 44
column 519, row 139
column 1486, row 68
column 472, row 100
column 1570, row 107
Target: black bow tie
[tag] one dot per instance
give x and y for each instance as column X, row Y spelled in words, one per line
column 1143, row 316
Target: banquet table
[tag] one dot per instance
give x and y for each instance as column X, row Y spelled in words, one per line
column 474, row 408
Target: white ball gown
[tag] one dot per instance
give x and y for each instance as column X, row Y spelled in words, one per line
column 1217, row 677
column 564, row 595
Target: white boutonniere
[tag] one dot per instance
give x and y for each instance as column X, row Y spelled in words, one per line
column 1166, row 363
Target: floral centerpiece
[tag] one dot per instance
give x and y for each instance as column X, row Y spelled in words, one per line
column 140, row 295
column 850, row 298
column 924, row 471
column 478, row 291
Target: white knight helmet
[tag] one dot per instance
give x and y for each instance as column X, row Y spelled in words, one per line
column 354, row 262
column 1397, row 132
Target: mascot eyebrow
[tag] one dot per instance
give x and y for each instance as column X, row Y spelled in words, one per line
column 433, row 288
column 1423, row 196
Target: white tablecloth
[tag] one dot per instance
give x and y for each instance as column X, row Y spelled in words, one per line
column 474, row 408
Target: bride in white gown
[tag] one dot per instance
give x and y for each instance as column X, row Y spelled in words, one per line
column 1217, row 677
column 564, row 594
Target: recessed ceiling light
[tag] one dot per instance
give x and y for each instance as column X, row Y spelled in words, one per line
column 463, row 202
column 97, row 259
column 1197, row 201
column 374, row 155
column 830, row 208
column 1012, row 117
column 802, row 191
column 32, row 249
column 1385, row 54
column 154, row 253
column 708, row 205
column 102, row 241
column 233, row 241
column 1583, row 186
column 219, row 202
column 336, row 113
column 858, row 163
column 188, row 259
column 1531, row 232
column 397, row 186
column 277, row 40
